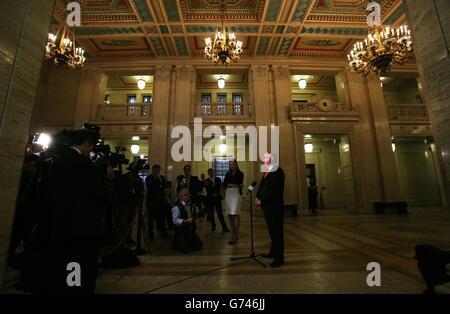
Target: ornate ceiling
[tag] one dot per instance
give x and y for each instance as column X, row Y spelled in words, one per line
column 177, row 28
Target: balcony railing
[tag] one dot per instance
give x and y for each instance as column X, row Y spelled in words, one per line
column 124, row 112
column 407, row 112
column 223, row 110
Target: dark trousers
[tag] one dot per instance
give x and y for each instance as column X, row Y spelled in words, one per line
column 157, row 213
column 185, row 242
column 432, row 265
column 274, row 219
column 215, row 203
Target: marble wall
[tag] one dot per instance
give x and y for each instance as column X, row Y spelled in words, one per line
column 429, row 22
column 24, row 26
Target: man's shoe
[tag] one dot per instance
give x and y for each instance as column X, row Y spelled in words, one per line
column 276, row 264
column 225, row 230
column 213, row 229
column 268, row 255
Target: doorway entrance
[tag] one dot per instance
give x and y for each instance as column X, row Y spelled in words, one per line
column 417, row 169
column 329, row 168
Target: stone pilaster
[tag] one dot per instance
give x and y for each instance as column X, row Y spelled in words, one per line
column 259, row 76
column 160, row 116
column 90, row 95
column 24, row 28
column 181, row 113
column 283, row 98
column 428, row 20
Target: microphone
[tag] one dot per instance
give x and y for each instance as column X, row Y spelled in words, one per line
column 251, row 187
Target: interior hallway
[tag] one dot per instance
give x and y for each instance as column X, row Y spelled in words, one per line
column 324, row 254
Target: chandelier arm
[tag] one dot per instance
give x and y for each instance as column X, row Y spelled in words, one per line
column 59, row 31
column 63, row 36
column 223, row 9
column 73, row 45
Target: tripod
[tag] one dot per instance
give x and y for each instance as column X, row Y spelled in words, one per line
column 142, row 232
column 252, row 255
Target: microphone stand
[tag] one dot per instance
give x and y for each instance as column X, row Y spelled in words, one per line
column 252, row 255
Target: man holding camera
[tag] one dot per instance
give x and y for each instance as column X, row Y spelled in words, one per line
column 78, row 198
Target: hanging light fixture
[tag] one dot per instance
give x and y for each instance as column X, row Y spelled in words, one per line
column 221, row 83
column 141, row 84
column 64, row 51
column 223, row 49
column 302, row 83
column 382, row 48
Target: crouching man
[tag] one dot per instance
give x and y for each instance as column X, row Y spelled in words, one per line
column 183, row 216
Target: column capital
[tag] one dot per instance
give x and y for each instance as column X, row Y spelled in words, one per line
column 260, row 71
column 184, row 72
column 282, row 71
column 162, row 73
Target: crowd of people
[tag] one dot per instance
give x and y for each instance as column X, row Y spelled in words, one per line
column 72, row 209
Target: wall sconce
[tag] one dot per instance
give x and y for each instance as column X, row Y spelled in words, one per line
column 302, row 84
column 223, row 148
column 135, row 149
column 309, row 148
column 221, row 83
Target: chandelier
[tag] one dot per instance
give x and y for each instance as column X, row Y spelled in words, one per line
column 383, row 47
column 63, row 51
column 223, row 49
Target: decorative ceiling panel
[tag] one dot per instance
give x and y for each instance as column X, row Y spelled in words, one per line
column 143, row 10
column 125, row 43
column 209, row 10
column 172, row 28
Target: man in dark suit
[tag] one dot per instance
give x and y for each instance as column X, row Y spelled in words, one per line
column 270, row 198
column 214, row 200
column 192, row 183
column 156, row 202
column 78, row 199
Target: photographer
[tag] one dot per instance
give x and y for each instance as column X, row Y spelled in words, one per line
column 77, row 203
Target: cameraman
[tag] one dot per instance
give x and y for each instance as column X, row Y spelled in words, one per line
column 77, row 203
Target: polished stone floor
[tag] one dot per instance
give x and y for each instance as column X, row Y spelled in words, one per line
column 327, row 253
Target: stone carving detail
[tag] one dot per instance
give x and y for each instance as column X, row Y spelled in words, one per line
column 260, row 72
column 282, row 72
column 184, row 73
column 162, row 74
column 323, row 105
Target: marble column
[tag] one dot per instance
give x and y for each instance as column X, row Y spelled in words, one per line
column 160, row 116
column 283, row 98
column 378, row 110
column 364, row 142
column 429, row 23
column 24, row 27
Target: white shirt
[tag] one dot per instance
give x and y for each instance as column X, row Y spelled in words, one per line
column 177, row 221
